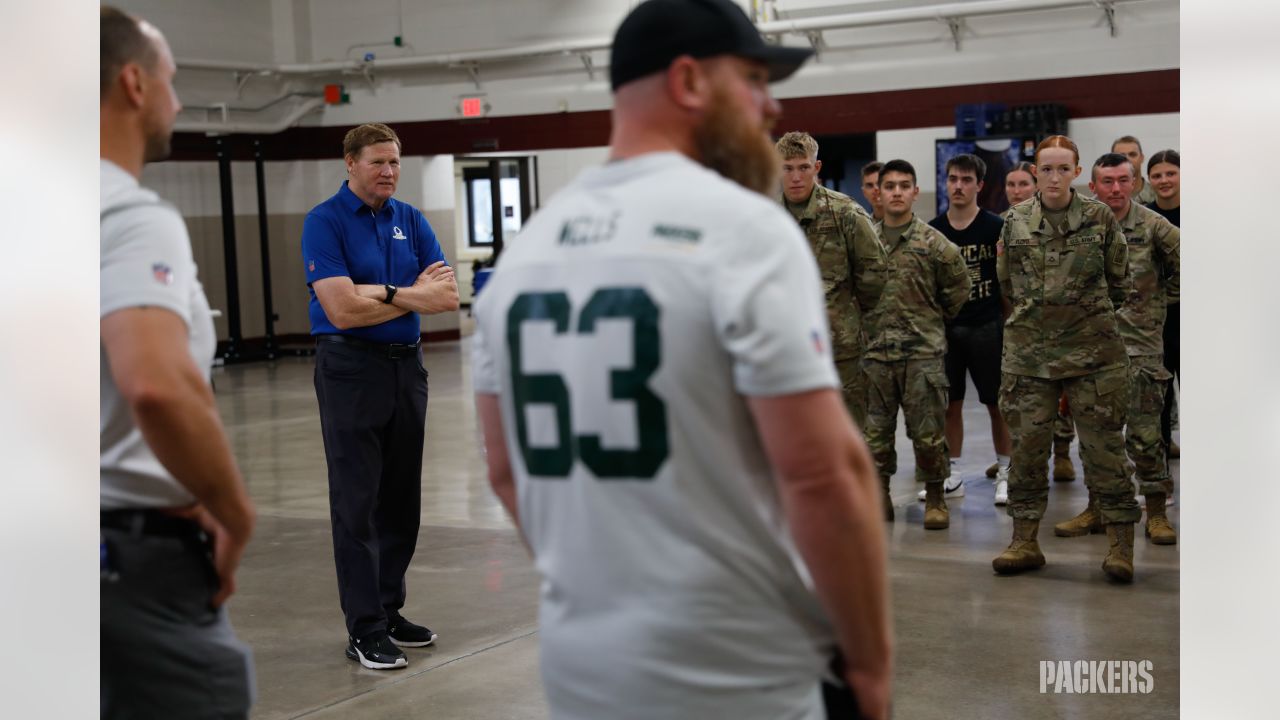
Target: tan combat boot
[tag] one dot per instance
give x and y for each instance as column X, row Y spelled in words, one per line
column 1088, row 522
column 1158, row 527
column 1024, row 552
column 936, row 515
column 1062, row 469
column 1119, row 560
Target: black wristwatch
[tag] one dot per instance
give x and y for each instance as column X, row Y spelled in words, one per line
column 391, row 293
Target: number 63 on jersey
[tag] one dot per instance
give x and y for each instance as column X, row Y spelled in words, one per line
column 629, row 384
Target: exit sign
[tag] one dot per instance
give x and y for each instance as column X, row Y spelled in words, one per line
column 472, row 107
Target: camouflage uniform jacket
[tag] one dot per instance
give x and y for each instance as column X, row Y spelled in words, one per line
column 928, row 284
column 1154, row 268
column 1146, row 195
column 1064, row 285
column 852, row 262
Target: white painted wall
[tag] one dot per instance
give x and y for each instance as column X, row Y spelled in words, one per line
column 212, row 29
column 1027, row 46
column 896, row 58
column 556, row 168
column 345, row 30
column 1094, row 135
column 1023, row 46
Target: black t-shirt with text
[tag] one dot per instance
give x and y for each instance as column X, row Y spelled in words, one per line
column 977, row 244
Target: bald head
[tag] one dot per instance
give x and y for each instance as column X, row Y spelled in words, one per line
column 138, row 102
column 125, row 39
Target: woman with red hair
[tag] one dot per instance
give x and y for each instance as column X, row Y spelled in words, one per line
column 1063, row 263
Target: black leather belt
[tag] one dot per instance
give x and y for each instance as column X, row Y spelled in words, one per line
column 150, row 522
column 392, row 351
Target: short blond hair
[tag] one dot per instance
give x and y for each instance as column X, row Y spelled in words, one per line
column 358, row 138
column 797, row 145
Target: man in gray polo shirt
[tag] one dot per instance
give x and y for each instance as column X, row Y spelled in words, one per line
column 175, row 513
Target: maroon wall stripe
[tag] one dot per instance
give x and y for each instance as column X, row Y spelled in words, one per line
column 1089, row 96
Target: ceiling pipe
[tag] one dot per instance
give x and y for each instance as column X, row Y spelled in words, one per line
column 876, row 18
column 802, row 27
column 562, row 47
column 252, row 128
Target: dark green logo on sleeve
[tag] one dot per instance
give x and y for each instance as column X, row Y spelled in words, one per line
column 682, row 234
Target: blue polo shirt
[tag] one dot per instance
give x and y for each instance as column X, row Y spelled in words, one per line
column 344, row 237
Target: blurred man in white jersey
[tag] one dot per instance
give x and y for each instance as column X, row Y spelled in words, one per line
column 662, row 416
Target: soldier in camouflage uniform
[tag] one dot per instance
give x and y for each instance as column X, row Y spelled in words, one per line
column 928, row 284
column 849, row 255
column 1064, row 430
column 1154, row 269
column 1063, row 262
column 1019, row 185
column 1130, row 147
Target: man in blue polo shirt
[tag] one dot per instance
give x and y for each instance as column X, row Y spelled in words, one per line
column 373, row 264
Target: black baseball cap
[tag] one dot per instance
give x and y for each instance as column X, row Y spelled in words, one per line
column 659, row 31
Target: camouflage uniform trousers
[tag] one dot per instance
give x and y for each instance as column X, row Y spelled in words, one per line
column 1064, row 428
column 919, row 387
column 1099, row 402
column 1143, row 439
column 853, row 385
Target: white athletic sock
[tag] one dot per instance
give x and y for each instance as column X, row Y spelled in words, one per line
column 1003, row 460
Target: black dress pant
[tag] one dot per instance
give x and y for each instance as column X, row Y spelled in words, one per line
column 373, row 407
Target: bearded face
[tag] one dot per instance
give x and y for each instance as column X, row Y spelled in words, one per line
column 728, row 142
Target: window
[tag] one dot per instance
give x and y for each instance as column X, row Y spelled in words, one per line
column 511, row 178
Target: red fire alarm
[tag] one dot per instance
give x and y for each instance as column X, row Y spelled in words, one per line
column 472, row 107
column 333, row 94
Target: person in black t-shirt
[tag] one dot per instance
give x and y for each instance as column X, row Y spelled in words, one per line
column 1163, row 172
column 974, row 337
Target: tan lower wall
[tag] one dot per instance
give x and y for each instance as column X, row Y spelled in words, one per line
column 289, row 293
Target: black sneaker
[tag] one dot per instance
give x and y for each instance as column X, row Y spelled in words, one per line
column 376, row 652
column 407, row 634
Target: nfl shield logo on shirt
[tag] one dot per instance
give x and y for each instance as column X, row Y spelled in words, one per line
column 817, row 341
column 311, row 266
column 162, row 273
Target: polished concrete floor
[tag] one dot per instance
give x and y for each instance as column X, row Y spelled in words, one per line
column 969, row 643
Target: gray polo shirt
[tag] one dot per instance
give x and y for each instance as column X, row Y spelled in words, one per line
column 145, row 261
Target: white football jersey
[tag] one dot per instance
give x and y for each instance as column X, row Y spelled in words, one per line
column 621, row 329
